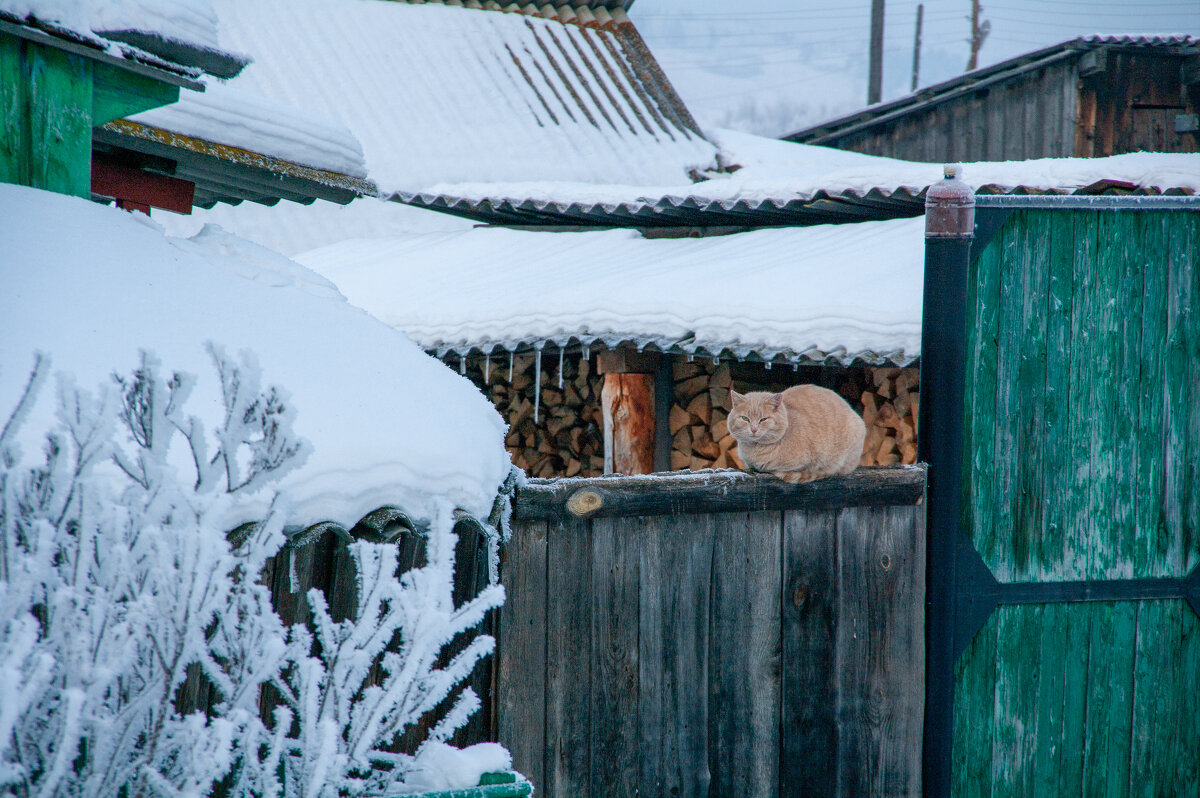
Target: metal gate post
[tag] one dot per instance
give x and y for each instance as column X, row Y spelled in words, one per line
column 949, row 230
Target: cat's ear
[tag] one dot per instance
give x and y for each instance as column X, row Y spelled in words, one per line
column 775, row 401
column 736, row 397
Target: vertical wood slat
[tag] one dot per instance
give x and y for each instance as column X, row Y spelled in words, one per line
column 521, row 651
column 615, row 620
column 809, row 628
column 744, row 655
column 673, row 610
column 880, row 651
column 568, row 659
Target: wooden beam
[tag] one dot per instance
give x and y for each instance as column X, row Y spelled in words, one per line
column 627, row 361
column 627, row 401
column 724, row 490
column 135, row 189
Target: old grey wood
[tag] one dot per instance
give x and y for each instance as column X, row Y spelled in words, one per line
column 521, row 653
column 750, row 652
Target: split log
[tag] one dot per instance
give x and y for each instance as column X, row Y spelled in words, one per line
column 628, row 407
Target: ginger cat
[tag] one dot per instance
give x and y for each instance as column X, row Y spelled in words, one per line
column 804, row 433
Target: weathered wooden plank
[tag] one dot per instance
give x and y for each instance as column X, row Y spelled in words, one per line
column 713, row 492
column 1149, row 554
column 1124, row 236
column 1100, row 344
column 1153, row 749
column 1013, row 114
column 1015, row 734
column 1110, row 698
column 879, row 654
column 568, row 660
column 1053, row 672
column 1057, row 414
column 1083, row 399
column 60, row 128
column 1182, row 353
column 974, row 715
column 1183, row 689
column 993, row 115
column 1074, row 630
column 808, row 680
column 521, row 651
column 14, row 128
column 743, row 741
column 979, row 425
column 675, row 567
column 615, row 750
column 1029, row 522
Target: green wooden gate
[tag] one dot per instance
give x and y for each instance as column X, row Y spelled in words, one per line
column 1078, row 672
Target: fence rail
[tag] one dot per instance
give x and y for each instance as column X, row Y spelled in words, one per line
column 717, row 634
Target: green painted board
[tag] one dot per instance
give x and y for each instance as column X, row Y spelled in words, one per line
column 13, row 130
column 1080, row 700
column 60, row 121
column 118, row 93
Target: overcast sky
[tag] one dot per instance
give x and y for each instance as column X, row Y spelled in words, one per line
column 774, row 65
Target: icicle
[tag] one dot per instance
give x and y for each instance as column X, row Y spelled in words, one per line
column 769, row 363
column 511, row 357
column 691, row 357
column 587, row 351
column 537, row 383
column 487, row 367
column 462, row 365
column 716, row 361
column 561, row 351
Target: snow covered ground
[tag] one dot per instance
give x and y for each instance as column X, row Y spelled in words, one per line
column 90, row 286
column 845, row 291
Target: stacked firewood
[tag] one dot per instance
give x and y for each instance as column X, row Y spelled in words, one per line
column 567, row 438
column 889, row 409
column 697, row 418
column 886, row 398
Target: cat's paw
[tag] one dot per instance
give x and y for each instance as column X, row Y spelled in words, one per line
column 799, row 476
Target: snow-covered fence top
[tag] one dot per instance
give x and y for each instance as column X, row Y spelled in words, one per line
column 716, row 634
column 835, row 293
column 91, row 286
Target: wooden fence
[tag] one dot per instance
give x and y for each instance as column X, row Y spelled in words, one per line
column 715, row 634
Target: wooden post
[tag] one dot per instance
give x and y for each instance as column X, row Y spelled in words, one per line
column 627, row 400
column 875, row 69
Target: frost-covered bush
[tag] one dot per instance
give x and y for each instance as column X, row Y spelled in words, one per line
column 116, row 577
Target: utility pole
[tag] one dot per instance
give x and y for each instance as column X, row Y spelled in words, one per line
column 875, row 74
column 979, row 32
column 917, row 46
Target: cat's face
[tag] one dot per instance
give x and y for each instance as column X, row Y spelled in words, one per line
column 757, row 417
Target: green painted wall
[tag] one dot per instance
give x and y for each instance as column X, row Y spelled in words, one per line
column 1082, row 456
column 49, row 102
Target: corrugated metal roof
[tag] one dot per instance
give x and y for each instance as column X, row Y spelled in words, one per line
column 222, row 173
column 817, row 295
column 439, row 94
column 1180, row 44
column 820, row 207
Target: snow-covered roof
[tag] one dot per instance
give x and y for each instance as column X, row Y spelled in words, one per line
column 441, row 93
column 224, row 115
column 786, row 183
column 831, row 293
column 180, row 35
column 91, row 285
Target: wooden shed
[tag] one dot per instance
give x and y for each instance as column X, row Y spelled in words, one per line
column 1088, row 97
